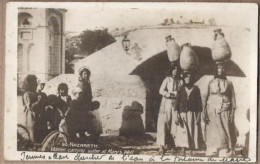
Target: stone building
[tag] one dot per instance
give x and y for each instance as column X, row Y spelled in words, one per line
column 120, row 79
column 41, row 43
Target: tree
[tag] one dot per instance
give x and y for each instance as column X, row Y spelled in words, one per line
column 92, row 41
column 69, row 56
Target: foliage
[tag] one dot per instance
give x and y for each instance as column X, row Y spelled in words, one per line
column 69, row 56
column 92, row 41
column 87, row 42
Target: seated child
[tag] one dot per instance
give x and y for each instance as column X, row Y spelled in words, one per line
column 76, row 118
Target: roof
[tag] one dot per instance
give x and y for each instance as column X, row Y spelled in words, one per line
column 150, row 41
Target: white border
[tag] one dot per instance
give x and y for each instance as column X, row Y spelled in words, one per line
column 10, row 110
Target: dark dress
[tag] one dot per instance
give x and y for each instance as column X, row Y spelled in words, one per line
column 76, row 118
column 85, row 86
column 55, row 116
column 94, row 125
column 64, row 103
column 40, row 127
column 189, row 108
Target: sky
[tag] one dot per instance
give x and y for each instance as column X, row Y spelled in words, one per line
column 123, row 15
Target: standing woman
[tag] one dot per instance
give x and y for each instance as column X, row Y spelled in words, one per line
column 219, row 115
column 84, row 84
column 92, row 116
column 165, row 125
column 31, row 103
column 189, row 108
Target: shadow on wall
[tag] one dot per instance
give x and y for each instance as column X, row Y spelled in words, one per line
column 132, row 123
column 94, row 119
column 154, row 70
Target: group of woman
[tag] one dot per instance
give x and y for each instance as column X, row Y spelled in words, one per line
column 60, row 112
column 181, row 112
column 179, row 121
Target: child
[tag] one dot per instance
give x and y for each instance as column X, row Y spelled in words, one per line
column 76, row 118
column 54, row 113
column 188, row 106
column 63, row 97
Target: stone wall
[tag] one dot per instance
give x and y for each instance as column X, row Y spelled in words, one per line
column 122, row 101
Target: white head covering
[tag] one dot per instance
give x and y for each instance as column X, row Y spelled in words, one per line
column 81, row 69
column 76, row 90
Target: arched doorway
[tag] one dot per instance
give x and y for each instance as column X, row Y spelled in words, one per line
column 54, row 65
column 154, row 70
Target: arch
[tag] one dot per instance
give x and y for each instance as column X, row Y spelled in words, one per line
column 20, row 57
column 54, row 45
column 153, row 70
column 24, row 19
column 54, row 25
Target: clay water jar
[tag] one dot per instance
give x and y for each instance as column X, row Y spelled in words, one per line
column 220, row 49
column 188, row 58
column 173, row 50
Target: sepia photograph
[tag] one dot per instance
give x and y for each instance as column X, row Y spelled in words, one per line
column 165, row 82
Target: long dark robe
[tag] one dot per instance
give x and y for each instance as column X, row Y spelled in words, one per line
column 85, row 86
column 94, row 125
column 40, row 127
column 76, row 118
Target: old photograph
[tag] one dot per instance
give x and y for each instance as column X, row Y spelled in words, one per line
column 166, row 82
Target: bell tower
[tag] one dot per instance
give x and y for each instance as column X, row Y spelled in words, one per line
column 41, row 43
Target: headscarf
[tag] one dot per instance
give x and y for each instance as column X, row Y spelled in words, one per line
column 30, row 83
column 174, row 65
column 82, row 69
column 76, row 90
column 191, row 74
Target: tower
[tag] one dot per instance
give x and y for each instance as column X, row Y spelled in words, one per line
column 41, row 43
